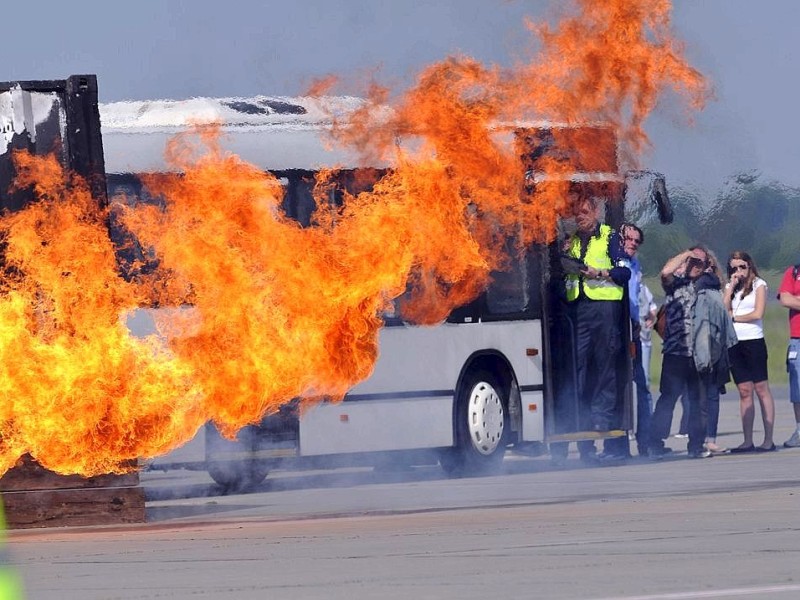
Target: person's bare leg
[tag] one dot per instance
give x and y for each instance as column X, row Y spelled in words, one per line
column 767, row 412
column 747, row 411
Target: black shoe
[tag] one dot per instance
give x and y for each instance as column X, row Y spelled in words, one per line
column 612, row 457
column 703, row 453
column 658, row 452
column 772, row 448
column 743, row 449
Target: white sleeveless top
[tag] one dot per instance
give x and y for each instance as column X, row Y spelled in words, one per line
column 752, row 330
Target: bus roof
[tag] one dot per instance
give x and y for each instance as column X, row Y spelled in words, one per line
column 276, row 133
column 273, row 132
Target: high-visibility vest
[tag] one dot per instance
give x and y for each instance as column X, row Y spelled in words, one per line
column 598, row 258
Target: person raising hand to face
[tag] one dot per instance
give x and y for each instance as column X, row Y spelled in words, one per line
column 746, row 299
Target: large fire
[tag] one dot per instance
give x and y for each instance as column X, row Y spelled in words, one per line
column 279, row 311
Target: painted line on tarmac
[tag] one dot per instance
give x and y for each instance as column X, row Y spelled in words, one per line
column 751, row 591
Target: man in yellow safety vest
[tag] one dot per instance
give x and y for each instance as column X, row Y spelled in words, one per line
column 594, row 296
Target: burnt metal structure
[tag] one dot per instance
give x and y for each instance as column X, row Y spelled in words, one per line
column 61, row 118
column 58, row 117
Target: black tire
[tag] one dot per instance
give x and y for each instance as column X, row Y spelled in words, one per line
column 228, row 462
column 237, row 476
column 481, row 426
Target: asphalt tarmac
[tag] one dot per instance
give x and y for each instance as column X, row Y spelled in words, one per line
column 724, row 527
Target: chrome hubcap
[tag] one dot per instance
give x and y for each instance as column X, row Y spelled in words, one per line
column 485, row 418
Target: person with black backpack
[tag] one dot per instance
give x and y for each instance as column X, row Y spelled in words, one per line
column 678, row 372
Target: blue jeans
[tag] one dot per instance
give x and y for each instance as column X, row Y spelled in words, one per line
column 683, row 428
column 793, row 367
column 711, row 389
column 678, row 375
column 647, row 351
column 712, row 404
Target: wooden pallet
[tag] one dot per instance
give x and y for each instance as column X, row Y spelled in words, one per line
column 36, row 497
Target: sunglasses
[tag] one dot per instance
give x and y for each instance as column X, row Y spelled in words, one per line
column 733, row 269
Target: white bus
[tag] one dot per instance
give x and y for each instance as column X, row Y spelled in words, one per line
column 489, row 378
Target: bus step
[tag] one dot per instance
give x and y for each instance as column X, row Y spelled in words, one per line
column 576, row 436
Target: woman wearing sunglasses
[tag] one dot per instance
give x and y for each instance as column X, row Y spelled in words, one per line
column 746, row 298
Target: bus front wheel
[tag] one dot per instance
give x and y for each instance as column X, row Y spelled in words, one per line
column 480, row 426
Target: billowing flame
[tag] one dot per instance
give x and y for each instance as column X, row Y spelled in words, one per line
column 611, row 62
column 79, row 393
column 279, row 311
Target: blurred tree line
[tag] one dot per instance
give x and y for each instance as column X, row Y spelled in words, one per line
column 761, row 218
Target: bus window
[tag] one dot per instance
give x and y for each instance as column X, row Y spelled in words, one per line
column 508, row 292
column 298, row 201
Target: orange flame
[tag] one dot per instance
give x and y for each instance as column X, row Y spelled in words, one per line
column 611, row 62
column 79, row 393
column 280, row 311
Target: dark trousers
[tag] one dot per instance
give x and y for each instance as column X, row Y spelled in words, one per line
column 598, row 339
column 712, row 390
column 644, row 412
column 678, row 375
column 644, row 401
column 683, row 428
column 591, row 405
column 711, row 387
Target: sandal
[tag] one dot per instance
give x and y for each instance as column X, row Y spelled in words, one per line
column 715, row 449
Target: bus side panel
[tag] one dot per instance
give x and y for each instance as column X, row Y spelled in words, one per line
column 422, row 358
column 532, row 416
column 407, row 403
column 414, row 384
column 374, row 425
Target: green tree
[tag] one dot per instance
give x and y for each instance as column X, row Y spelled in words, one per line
column 761, row 218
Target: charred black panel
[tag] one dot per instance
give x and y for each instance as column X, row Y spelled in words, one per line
column 85, row 144
column 58, row 117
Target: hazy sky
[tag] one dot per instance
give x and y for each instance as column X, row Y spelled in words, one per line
column 749, row 49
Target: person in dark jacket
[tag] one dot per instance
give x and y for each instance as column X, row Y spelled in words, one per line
column 678, row 372
column 714, row 335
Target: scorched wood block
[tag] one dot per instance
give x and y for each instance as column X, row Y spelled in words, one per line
column 36, row 497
